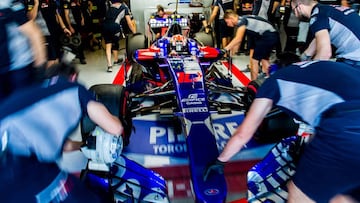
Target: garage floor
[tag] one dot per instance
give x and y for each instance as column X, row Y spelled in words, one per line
column 94, row 72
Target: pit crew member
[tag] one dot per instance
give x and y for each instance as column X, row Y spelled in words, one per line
column 34, row 126
column 21, row 46
column 265, row 35
column 329, row 164
column 331, row 25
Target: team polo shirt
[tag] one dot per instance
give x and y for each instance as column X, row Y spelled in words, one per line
column 115, row 18
column 306, row 90
column 263, row 8
column 223, row 6
column 75, row 8
column 14, row 45
column 46, row 17
column 255, row 25
column 343, row 26
column 37, row 120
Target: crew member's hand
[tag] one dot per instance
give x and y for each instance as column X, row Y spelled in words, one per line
column 216, row 166
column 67, row 32
column 208, row 29
column 223, row 52
column 304, row 57
column 72, row 30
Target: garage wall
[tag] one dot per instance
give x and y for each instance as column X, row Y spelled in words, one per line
column 142, row 9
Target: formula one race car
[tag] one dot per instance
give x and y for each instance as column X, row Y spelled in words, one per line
column 180, row 101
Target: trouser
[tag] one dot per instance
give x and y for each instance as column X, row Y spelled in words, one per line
column 330, row 163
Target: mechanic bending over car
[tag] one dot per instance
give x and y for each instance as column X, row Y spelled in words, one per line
column 331, row 25
column 265, row 36
column 329, row 167
column 34, row 125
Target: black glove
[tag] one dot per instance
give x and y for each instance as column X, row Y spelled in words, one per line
column 224, row 53
column 217, row 166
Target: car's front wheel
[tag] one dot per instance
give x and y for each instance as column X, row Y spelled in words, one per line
column 116, row 100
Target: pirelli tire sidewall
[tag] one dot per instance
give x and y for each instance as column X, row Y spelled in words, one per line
column 134, row 42
column 116, row 100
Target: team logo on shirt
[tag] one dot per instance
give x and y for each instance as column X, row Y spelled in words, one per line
column 312, row 20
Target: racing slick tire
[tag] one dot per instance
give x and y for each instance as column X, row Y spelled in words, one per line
column 134, row 42
column 206, row 39
column 276, row 126
column 116, row 100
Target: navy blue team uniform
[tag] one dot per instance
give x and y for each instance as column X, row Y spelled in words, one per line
column 34, row 124
column 224, row 5
column 344, row 29
column 51, row 29
column 112, row 26
column 265, row 35
column 330, row 163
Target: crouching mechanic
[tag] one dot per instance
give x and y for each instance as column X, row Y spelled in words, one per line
column 34, row 126
column 330, row 163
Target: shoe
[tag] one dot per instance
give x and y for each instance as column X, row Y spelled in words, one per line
column 262, row 76
column 247, row 69
column 119, row 61
column 82, row 61
column 109, row 69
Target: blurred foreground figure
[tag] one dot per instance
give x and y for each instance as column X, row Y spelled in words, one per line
column 334, row 111
column 22, row 48
column 34, row 126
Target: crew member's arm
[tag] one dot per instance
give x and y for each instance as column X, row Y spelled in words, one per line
column 37, row 41
column 214, row 12
column 258, row 110
column 319, row 48
column 275, row 6
column 62, row 24
column 240, row 32
column 323, row 45
column 68, row 21
column 100, row 115
column 130, row 24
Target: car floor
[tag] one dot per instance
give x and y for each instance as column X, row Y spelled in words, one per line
column 94, row 72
